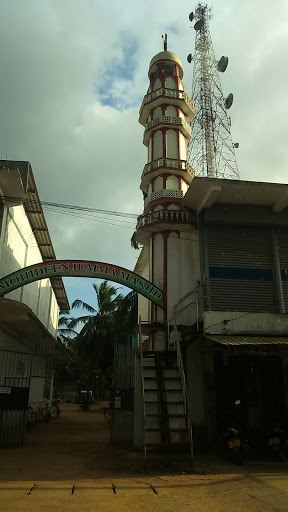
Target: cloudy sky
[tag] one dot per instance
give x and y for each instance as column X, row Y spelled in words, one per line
column 73, row 75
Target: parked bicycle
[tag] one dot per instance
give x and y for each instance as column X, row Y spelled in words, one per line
column 52, row 411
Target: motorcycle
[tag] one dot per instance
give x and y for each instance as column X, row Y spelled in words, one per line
column 277, row 442
column 232, row 437
column 235, row 444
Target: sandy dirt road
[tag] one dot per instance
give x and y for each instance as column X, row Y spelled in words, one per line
column 70, row 464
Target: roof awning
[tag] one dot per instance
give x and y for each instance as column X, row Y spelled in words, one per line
column 250, row 343
column 19, row 321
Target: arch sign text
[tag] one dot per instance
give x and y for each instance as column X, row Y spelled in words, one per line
column 81, row 268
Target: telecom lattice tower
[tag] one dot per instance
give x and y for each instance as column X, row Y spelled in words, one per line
column 211, row 150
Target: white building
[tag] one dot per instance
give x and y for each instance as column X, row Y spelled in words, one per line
column 29, row 315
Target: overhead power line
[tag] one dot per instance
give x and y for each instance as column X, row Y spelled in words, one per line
column 113, row 218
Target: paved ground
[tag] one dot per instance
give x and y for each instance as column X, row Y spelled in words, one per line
column 70, row 464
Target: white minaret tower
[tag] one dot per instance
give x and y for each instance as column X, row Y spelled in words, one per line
column 166, row 226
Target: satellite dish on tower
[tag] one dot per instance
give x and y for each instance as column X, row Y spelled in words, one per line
column 189, row 58
column 191, row 16
column 199, row 25
column 222, row 64
column 229, row 101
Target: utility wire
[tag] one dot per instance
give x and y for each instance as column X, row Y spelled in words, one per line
column 95, row 219
column 48, row 204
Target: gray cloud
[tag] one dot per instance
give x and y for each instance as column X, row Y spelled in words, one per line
column 62, row 61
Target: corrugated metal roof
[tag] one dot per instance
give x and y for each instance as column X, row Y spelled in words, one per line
column 35, row 215
column 248, row 340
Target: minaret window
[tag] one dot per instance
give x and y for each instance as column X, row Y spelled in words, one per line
column 149, row 190
column 172, row 183
column 150, row 151
column 171, row 144
column 157, row 84
column 180, row 87
column 158, row 184
column 170, row 83
column 157, row 145
column 173, row 207
column 157, row 113
column 171, row 111
column 182, row 147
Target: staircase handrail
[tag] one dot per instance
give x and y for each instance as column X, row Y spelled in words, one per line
column 187, row 408
column 143, row 389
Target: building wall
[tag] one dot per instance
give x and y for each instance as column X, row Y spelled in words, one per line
column 19, row 249
column 183, row 277
column 143, row 303
column 233, row 322
column 22, row 365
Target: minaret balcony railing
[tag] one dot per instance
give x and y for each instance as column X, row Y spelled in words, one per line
column 169, row 163
column 169, row 95
column 164, row 193
column 167, row 120
column 168, row 216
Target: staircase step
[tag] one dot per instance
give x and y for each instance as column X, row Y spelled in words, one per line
column 169, row 415
column 149, row 372
column 153, row 437
column 171, row 446
column 152, row 408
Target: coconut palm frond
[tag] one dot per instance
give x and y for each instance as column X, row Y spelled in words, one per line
column 80, row 304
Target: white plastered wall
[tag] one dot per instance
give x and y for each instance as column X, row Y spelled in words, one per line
column 183, row 268
column 158, row 263
column 19, row 249
column 143, row 303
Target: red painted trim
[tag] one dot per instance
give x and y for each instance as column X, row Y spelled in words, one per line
column 165, row 236
column 152, row 273
column 164, row 142
column 178, row 139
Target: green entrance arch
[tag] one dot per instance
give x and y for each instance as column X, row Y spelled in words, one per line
column 81, row 268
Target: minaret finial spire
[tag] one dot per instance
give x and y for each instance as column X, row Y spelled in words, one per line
column 165, row 42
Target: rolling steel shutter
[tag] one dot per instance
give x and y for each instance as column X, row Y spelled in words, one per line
column 240, row 269
column 282, row 239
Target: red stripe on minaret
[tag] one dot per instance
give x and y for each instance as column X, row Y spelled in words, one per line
column 165, row 236
column 152, row 274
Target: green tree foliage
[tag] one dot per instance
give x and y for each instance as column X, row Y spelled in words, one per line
column 112, row 320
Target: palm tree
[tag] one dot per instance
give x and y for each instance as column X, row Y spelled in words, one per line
column 65, row 332
column 95, row 340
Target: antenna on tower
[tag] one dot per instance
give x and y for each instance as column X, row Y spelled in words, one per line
column 210, row 150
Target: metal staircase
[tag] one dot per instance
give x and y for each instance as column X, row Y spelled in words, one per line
column 167, row 419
